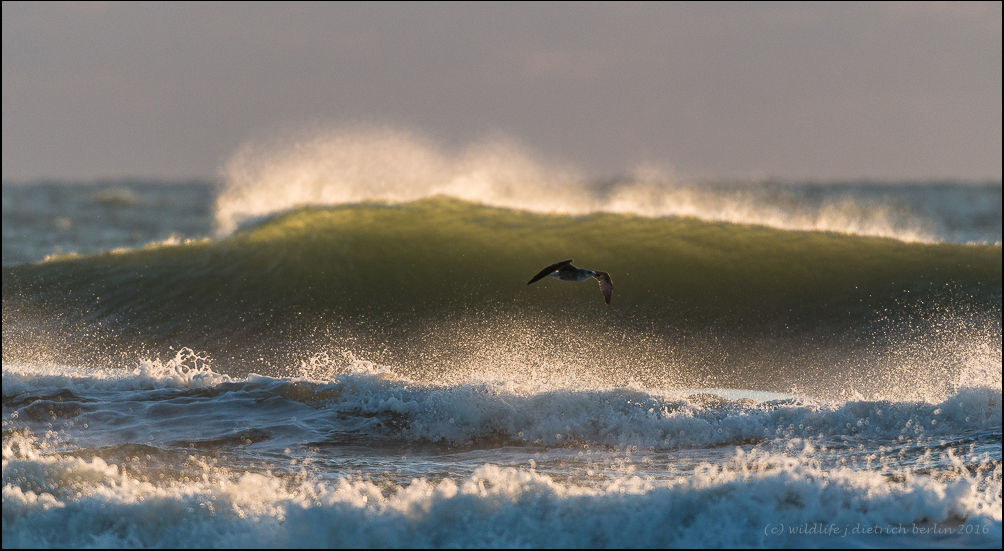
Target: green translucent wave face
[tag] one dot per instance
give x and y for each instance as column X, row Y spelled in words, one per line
column 432, row 284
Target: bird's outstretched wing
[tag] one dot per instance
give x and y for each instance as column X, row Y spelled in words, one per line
column 606, row 285
column 549, row 270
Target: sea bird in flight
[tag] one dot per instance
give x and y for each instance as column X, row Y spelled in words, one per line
column 566, row 272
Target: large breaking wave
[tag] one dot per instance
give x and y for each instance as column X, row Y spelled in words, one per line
column 437, row 288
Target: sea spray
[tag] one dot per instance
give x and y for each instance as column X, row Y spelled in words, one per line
column 345, row 165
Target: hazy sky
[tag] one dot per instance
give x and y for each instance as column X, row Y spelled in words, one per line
column 820, row 91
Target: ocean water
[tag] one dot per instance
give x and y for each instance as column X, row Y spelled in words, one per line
column 336, row 346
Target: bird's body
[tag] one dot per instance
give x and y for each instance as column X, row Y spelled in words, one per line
column 566, row 272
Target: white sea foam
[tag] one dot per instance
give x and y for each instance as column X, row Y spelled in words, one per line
column 185, row 370
column 349, row 165
column 753, row 500
column 789, row 491
column 374, row 403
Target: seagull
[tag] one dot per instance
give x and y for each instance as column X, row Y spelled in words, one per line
column 566, row 272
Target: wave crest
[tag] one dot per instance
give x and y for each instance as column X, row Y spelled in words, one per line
column 351, row 165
